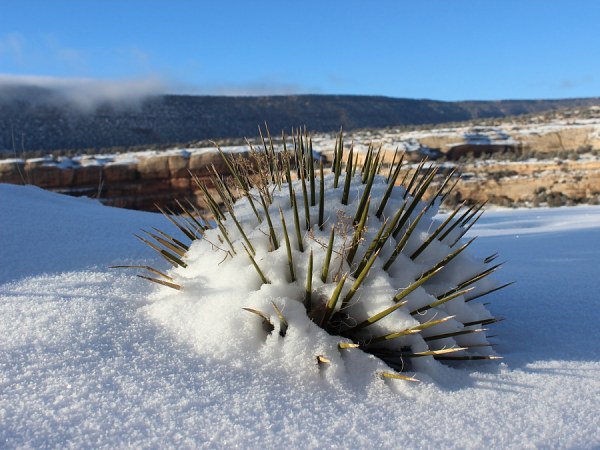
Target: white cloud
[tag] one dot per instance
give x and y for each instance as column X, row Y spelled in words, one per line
column 12, row 46
column 86, row 93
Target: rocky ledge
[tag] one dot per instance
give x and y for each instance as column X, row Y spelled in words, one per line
column 145, row 179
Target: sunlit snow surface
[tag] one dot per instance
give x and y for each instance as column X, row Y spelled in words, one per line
column 83, row 364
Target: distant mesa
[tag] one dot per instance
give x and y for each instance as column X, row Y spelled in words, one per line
column 39, row 118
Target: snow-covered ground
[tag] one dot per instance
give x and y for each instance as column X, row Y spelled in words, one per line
column 83, row 363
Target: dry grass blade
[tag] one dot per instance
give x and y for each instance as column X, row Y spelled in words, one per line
column 211, row 203
column 397, row 376
column 451, row 188
column 489, row 291
column 393, row 165
column 311, row 173
column 355, row 164
column 423, row 279
column 201, row 228
column 221, row 188
column 375, row 318
column 225, row 235
column 414, row 177
column 308, row 285
column 286, row 166
column 391, row 183
column 330, row 306
column 429, row 172
column 463, row 232
column 487, row 344
column 276, row 161
column 347, row 345
column 162, row 282
column 185, row 223
column 321, row 195
column 435, row 234
column 449, row 258
column 241, row 230
column 484, row 322
column 400, row 246
column 408, row 331
column 472, row 280
column 269, row 156
column 297, row 161
column 175, row 241
column 190, row 234
column 297, row 221
column 348, row 179
column 148, row 268
column 253, row 206
column 266, row 321
column 305, row 198
column 283, row 323
column 453, row 334
column 359, row 280
column 375, row 245
column 438, row 193
column 413, row 204
column 287, row 246
column 167, row 244
column 242, row 181
column 477, row 209
column 366, row 193
column 490, row 258
column 457, row 222
column 274, row 242
column 467, row 357
column 171, row 258
column 391, row 227
column 426, row 180
column 440, row 301
column 358, row 233
column 337, row 158
column 327, row 261
column 443, row 351
column 262, row 276
column 403, row 181
column 219, row 218
column 198, row 214
column 321, row 359
column 367, row 164
column 420, row 189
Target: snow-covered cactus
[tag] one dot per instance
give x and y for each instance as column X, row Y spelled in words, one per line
column 358, row 252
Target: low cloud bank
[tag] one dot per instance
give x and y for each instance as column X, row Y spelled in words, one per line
column 84, row 93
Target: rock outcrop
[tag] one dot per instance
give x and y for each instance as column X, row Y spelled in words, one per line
column 134, row 182
column 141, row 181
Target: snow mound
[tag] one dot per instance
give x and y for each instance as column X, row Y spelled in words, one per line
column 82, row 366
column 356, row 282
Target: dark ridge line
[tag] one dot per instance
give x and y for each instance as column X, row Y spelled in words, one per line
column 40, row 119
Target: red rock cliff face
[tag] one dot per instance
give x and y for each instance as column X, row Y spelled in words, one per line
column 141, row 181
column 135, row 183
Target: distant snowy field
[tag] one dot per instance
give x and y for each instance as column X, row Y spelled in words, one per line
column 82, row 364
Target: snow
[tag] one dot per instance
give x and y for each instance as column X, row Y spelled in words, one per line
column 90, row 357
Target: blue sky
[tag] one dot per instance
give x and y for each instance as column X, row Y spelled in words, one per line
column 446, row 50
